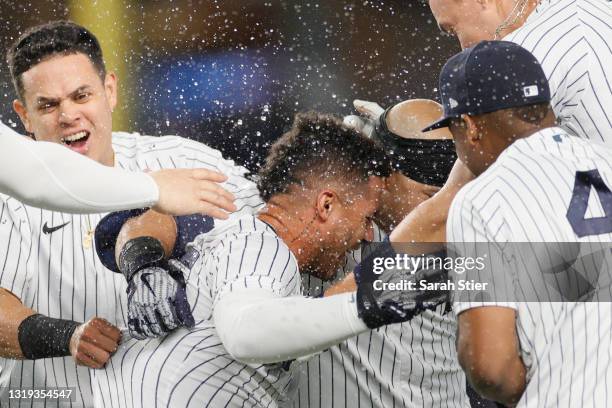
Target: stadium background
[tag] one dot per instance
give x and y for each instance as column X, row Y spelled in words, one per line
column 231, row 73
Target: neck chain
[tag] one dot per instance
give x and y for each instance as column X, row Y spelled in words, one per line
column 507, row 23
column 89, row 234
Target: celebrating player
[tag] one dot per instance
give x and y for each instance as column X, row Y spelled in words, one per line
column 534, row 186
column 570, row 39
column 321, row 183
column 412, row 363
column 66, row 97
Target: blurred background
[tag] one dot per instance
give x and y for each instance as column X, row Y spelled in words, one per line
column 232, row 73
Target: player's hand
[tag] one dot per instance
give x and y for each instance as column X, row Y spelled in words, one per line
column 380, row 307
column 366, row 121
column 157, row 301
column 192, row 191
column 93, row 342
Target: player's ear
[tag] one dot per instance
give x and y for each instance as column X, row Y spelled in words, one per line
column 326, row 201
column 472, row 129
column 110, row 88
column 21, row 110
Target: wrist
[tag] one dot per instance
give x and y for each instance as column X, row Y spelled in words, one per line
column 44, row 337
column 139, row 253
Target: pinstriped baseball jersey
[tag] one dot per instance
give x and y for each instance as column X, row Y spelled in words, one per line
column 549, row 187
column 571, row 40
column 47, row 258
column 191, row 368
column 412, row 364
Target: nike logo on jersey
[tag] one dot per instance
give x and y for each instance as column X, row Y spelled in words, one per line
column 145, row 280
column 48, row 230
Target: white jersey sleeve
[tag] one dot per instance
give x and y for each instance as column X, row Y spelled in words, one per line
column 255, row 258
column 469, row 237
column 50, row 176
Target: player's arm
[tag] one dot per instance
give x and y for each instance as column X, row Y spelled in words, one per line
column 487, row 340
column 64, row 181
column 427, row 222
column 28, row 335
column 488, row 350
column 259, row 325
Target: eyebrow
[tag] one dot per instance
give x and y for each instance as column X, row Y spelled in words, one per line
column 43, row 99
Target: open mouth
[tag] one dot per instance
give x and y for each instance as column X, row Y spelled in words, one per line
column 75, row 140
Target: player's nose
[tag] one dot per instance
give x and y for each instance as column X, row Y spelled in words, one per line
column 69, row 113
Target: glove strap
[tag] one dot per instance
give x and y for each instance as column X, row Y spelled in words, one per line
column 139, row 253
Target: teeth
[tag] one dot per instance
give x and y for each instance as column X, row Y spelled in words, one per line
column 75, row 137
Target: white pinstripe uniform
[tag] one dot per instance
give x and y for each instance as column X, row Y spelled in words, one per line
column 527, row 195
column 58, row 273
column 571, row 40
column 191, row 368
column 412, row 364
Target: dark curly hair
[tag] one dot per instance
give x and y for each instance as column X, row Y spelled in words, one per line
column 319, row 146
column 42, row 42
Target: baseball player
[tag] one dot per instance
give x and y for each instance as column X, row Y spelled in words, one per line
column 351, row 374
column 48, row 260
column 570, row 39
column 535, row 184
column 411, row 364
column 63, row 182
column 244, row 281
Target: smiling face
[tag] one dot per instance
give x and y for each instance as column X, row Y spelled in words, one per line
column 66, row 101
column 349, row 223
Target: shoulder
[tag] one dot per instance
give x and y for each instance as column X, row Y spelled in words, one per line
column 239, row 232
column 124, row 142
column 173, row 151
column 551, row 22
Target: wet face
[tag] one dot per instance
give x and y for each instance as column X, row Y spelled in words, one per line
column 67, row 102
column 349, row 224
column 471, row 21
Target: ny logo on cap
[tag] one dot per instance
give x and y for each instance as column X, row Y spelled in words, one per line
column 531, row 90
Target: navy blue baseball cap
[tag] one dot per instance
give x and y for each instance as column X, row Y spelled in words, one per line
column 488, row 77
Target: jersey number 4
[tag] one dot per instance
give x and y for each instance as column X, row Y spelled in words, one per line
column 585, row 181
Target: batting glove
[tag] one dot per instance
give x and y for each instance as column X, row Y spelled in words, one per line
column 157, row 297
column 383, row 306
column 157, row 301
column 368, row 120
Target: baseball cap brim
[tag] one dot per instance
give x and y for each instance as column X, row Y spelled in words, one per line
column 441, row 123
